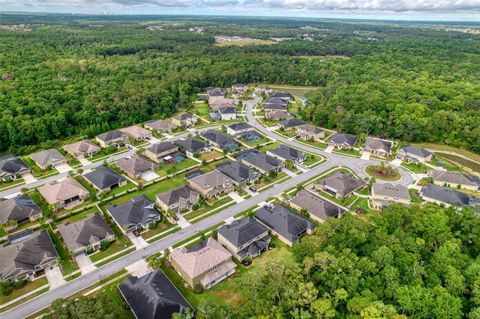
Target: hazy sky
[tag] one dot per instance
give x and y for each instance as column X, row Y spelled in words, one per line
column 377, row 9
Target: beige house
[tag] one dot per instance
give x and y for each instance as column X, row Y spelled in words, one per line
column 205, row 264
column 212, row 184
column 65, row 194
column 112, row 138
column 179, row 199
column 386, row 194
column 160, row 126
column 310, row 133
column 82, row 149
column 136, row 165
column 136, row 132
column 218, row 102
column 158, row 151
column 185, row 119
column 455, row 179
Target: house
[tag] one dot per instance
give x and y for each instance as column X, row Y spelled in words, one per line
column 205, row 264
column 282, row 95
column 386, row 194
column 82, row 149
column 340, row 184
column 378, row 146
column 136, row 165
column 160, row 126
column 318, row 208
column 26, row 257
column 153, row 296
column 269, row 107
column 237, row 129
column 158, row 151
column 112, row 138
column 218, row 102
column 137, row 213
column 310, row 133
column 238, row 172
column 239, row 88
column 443, row 195
column 244, row 238
column 20, row 209
column 178, row 200
column 287, row 153
column 260, row 161
column 48, row 158
column 11, row 167
column 193, row 146
column 87, row 233
column 343, row 141
column 262, row 89
column 105, row 179
column 414, row 154
column 65, row 194
column 290, row 123
column 277, row 100
column 137, row 133
column 227, row 113
column 211, row 184
column 455, row 179
column 216, row 92
column 276, row 115
column 283, row 222
column 221, row 141
column 185, row 119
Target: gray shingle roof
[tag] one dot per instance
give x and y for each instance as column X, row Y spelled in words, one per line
column 242, row 231
column 237, row 171
column 448, row 195
column 240, row 126
column 47, row 157
column 103, row 177
column 374, row 143
column 222, row 140
column 282, row 95
column 343, row 183
column 227, row 110
column 275, row 106
column 416, row 151
column 293, row 122
column 173, row 196
column 138, row 210
column 17, row 208
column 153, row 296
column 111, row 135
column 191, row 145
column 288, row 153
column 259, row 159
column 454, row 178
column 136, row 164
column 11, row 165
column 316, row 206
column 387, row 189
column 159, row 125
column 343, row 139
column 161, row 147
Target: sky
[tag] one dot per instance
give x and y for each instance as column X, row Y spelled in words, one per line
column 438, row 10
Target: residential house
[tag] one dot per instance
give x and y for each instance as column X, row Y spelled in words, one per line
column 112, row 138
column 340, row 184
column 11, row 167
column 104, row 179
column 290, row 123
column 87, row 233
column 137, row 133
column 443, row 195
column 227, row 113
column 239, row 88
column 244, row 238
column 137, row 213
column 185, row 120
column 269, row 107
column 220, row 141
column 455, row 179
column 263, row 89
column 20, row 209
column 178, row 200
column 343, row 141
column 283, row 222
column 238, row 172
column 161, row 126
column 237, row 129
column 82, row 149
column 48, row 158
column 153, row 296
column 205, row 264
column 260, row 161
column 65, row 194
column 414, row 154
column 287, row 153
column 385, row 194
column 26, row 257
column 218, row 102
column 318, row 208
column 136, row 166
column 378, row 146
column 282, row 95
column 216, row 92
column 158, row 151
column 211, row 184
column 192, row 146
column 310, row 133
column 277, row 115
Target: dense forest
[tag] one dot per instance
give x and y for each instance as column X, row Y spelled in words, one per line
column 79, row 76
column 418, row 262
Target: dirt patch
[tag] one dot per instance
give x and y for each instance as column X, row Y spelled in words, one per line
column 230, row 297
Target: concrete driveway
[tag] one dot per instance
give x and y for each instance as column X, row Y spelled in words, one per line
column 85, row 264
column 139, row 269
column 55, row 277
column 396, row 162
column 138, row 242
column 237, row 198
column 365, row 156
column 288, row 172
column 329, row 149
column 28, row 178
column 84, row 161
column 63, row 168
column 182, row 222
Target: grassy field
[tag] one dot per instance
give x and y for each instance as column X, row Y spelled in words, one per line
column 210, row 155
column 245, row 42
column 299, row 91
column 216, row 204
column 450, row 149
column 165, row 170
column 416, row 168
column 32, row 285
column 474, row 166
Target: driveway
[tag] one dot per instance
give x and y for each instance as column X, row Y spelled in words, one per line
column 63, row 168
column 84, row 161
column 55, row 277
column 85, row 264
column 138, row 242
column 149, row 176
column 396, row 162
column 329, row 149
column 182, row 222
column 28, row 178
column 139, row 269
column 365, row 156
column 288, row 172
column 237, row 198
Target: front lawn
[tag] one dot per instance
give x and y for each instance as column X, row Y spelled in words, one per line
column 350, row 152
column 77, row 217
column 37, row 171
column 204, row 210
column 65, row 258
column 415, row 196
column 19, row 292
column 106, row 152
column 269, row 181
column 383, row 172
column 11, row 183
column 312, row 159
column 416, row 168
column 160, row 227
column 165, row 169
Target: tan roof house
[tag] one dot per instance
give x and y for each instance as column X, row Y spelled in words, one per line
column 158, row 151
column 212, row 184
column 454, row 179
column 179, row 199
column 135, row 166
column 206, row 263
column 310, row 133
column 65, row 194
column 318, row 208
column 82, row 149
column 277, row 115
column 378, row 146
column 386, row 194
column 136, row 132
column 185, row 119
column 160, row 126
column 112, row 138
column 340, row 184
column 48, row 158
column 218, row 102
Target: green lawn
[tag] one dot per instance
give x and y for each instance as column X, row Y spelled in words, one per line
column 106, row 152
column 40, row 201
column 11, row 183
column 416, row 168
column 86, row 184
column 415, row 196
column 198, row 212
column 201, row 109
column 289, row 133
column 161, row 227
column 2, row 231
column 37, row 171
column 77, row 217
column 118, row 190
column 16, row 293
column 312, row 159
column 393, row 176
column 65, row 259
column 315, row 144
column 344, row 202
column 269, row 146
column 350, row 152
column 267, row 181
column 165, row 170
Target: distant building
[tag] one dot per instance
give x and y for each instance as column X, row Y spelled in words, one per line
column 291, row 123
column 137, row 133
column 310, row 133
column 185, row 119
column 219, row 140
column 443, row 195
column 276, row 115
column 178, row 200
column 343, row 141
column 20, row 209
column 239, row 128
column 160, row 126
column 263, row 89
column 260, row 161
column 136, row 213
column 193, row 146
column 227, row 113
column 378, row 146
column 386, row 194
column 240, row 88
column 105, row 179
column 136, row 165
column 158, row 151
column 287, row 153
column 238, row 172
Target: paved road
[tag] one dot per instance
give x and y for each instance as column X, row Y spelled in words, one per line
column 356, row 164
column 80, row 283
